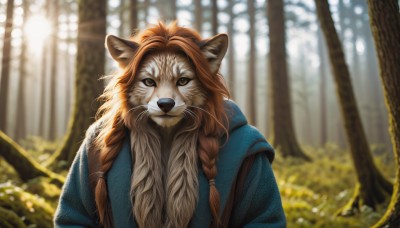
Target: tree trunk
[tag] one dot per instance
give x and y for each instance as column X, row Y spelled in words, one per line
column 25, row 167
column 385, row 26
column 284, row 138
column 121, row 28
column 5, row 65
column 133, row 15
column 89, row 67
column 20, row 128
column 198, row 12
column 68, row 77
column 373, row 187
column 251, row 82
column 53, row 73
column 304, row 96
column 322, row 89
column 231, row 51
column 379, row 118
column 214, row 17
column 43, row 88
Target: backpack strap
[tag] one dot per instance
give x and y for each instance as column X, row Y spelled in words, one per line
column 237, row 189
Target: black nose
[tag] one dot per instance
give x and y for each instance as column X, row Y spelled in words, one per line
column 166, row 104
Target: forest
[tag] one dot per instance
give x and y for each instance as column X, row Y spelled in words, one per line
column 319, row 78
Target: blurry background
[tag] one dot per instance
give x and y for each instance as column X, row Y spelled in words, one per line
column 43, row 66
column 307, row 60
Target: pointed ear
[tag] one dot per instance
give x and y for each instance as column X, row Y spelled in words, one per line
column 214, row 50
column 121, row 50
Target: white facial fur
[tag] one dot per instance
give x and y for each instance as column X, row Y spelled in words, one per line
column 165, row 70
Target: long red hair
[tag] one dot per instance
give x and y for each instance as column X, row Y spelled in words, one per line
column 115, row 117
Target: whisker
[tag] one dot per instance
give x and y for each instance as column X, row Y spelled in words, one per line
column 208, row 114
column 136, row 107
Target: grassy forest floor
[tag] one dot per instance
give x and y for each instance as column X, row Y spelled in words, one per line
column 311, row 192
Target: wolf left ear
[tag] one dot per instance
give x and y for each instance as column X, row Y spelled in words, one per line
column 121, row 50
column 214, row 50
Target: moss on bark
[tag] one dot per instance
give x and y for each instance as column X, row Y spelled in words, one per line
column 373, row 187
column 88, row 87
column 26, row 167
column 385, row 27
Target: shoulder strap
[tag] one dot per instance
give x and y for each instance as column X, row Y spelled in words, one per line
column 237, row 189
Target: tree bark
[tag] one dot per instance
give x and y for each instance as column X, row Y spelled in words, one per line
column 25, row 167
column 5, row 65
column 385, row 26
column 20, row 128
column 90, row 66
column 284, row 138
column 251, row 82
column 373, row 187
column 231, row 51
column 53, row 73
column 214, row 17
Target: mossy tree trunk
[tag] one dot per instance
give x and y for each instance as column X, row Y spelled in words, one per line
column 385, row 26
column 373, row 188
column 25, row 167
column 284, row 138
column 89, row 68
column 5, row 65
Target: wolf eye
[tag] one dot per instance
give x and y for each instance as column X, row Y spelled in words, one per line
column 183, row 81
column 149, row 82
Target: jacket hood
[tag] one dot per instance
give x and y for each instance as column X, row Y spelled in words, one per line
column 235, row 115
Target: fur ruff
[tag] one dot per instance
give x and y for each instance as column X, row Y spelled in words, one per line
column 162, row 199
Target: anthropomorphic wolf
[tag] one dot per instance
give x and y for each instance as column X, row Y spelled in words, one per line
column 169, row 149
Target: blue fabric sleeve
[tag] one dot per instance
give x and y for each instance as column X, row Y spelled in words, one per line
column 76, row 207
column 260, row 204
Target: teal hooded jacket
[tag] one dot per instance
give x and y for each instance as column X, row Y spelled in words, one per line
column 259, row 205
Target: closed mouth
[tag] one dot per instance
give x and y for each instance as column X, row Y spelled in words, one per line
column 165, row 116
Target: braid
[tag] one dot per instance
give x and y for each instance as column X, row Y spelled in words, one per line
column 208, row 152
column 208, row 148
column 110, row 147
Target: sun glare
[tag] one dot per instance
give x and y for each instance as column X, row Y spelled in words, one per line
column 37, row 29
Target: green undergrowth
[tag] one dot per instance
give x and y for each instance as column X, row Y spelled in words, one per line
column 22, row 209
column 312, row 192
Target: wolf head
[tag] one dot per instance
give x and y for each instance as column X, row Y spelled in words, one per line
column 166, row 81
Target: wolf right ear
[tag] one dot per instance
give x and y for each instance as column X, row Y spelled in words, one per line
column 121, row 50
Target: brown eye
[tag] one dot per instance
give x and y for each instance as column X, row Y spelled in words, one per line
column 149, row 82
column 183, row 81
